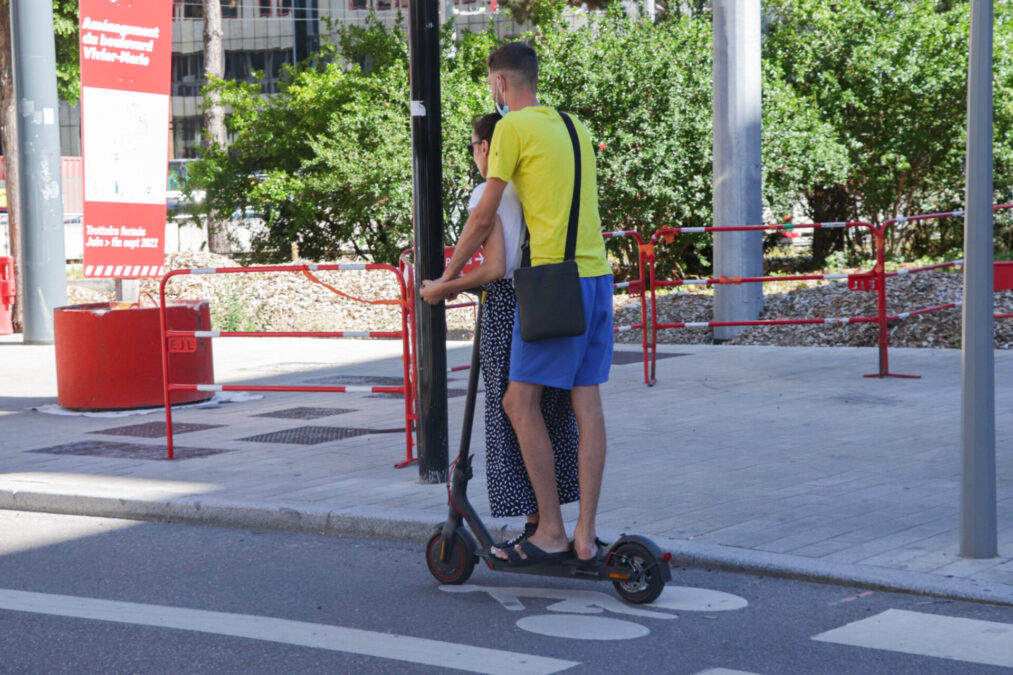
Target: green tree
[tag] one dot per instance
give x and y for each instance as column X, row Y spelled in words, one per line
column 66, row 25
column 327, row 161
column 332, row 153
column 644, row 89
column 889, row 80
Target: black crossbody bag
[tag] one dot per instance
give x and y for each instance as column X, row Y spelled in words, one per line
column 549, row 300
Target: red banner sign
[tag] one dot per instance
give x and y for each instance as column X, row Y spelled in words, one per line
column 126, row 54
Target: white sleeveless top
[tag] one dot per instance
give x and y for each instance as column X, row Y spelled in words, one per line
column 512, row 216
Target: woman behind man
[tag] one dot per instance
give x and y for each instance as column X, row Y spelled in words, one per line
column 510, row 491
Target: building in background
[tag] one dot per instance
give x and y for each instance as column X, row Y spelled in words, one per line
column 262, row 36
column 258, row 37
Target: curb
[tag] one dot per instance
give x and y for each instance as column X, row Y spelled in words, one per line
column 393, row 524
column 698, row 554
column 353, row 522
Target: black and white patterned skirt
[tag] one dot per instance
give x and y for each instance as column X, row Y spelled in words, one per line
column 510, row 491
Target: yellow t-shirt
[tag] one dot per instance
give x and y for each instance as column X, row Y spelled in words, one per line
column 531, row 148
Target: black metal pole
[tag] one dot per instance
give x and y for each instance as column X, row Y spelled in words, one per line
column 427, row 183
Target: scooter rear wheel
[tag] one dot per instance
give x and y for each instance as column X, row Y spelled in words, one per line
column 645, row 583
column 459, row 565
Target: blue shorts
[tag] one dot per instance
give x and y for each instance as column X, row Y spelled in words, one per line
column 570, row 362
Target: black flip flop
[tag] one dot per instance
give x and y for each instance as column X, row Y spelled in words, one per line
column 534, row 555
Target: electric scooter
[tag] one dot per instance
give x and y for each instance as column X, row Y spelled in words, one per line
column 636, row 567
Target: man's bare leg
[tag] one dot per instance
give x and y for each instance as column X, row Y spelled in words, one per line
column 522, row 403
column 591, row 465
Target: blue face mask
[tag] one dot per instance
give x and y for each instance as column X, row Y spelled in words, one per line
column 501, row 109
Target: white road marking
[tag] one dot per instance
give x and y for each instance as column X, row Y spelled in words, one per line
column 947, row 637
column 301, row 633
column 686, row 599
column 582, row 627
column 574, row 602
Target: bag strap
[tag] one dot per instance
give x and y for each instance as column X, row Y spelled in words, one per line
column 570, row 249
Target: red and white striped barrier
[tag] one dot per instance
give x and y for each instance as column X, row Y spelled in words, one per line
column 180, row 341
column 634, row 287
column 874, row 280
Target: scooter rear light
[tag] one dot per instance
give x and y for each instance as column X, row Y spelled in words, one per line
column 666, row 556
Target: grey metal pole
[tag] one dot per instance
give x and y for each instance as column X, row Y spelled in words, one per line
column 44, row 262
column 737, row 197
column 978, row 524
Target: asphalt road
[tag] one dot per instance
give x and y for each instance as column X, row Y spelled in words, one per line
column 89, row 595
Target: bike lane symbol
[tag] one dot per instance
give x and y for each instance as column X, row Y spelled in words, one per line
column 588, row 605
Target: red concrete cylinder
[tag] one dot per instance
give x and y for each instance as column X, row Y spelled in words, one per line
column 111, row 359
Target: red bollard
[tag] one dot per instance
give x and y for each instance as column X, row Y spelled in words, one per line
column 6, row 295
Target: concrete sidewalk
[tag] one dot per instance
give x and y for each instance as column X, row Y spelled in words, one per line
column 780, row 460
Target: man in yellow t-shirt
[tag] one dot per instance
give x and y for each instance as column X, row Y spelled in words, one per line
column 531, row 148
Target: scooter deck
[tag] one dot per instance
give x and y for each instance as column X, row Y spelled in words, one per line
column 605, row 570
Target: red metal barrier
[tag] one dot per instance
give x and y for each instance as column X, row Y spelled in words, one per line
column 874, row 280
column 636, row 286
column 178, row 341
column 668, row 234
column 407, row 270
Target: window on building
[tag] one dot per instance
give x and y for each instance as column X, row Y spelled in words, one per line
column 257, row 61
column 265, row 7
column 187, row 74
column 186, row 135
column 193, row 9
column 284, row 7
column 358, row 4
column 230, row 9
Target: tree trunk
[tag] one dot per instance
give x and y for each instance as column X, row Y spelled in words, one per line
column 214, row 113
column 829, row 205
column 9, row 136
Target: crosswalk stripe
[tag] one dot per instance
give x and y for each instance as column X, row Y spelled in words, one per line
column 947, row 637
column 319, row 636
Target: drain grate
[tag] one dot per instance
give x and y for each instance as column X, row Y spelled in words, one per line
column 154, row 429
column 369, row 380
column 305, row 413
column 623, row 358
column 307, row 435
column 125, row 450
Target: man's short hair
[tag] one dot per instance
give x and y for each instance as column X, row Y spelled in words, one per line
column 484, row 125
column 518, row 58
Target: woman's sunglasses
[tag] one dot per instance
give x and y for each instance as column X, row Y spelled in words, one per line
column 471, row 147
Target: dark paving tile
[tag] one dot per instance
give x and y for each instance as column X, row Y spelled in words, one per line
column 126, row 450
column 154, row 429
column 307, row 435
column 305, row 413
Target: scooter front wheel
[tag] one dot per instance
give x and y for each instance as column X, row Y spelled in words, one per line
column 460, row 563
column 645, row 582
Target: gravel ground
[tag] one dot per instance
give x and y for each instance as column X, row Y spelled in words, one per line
column 291, row 302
